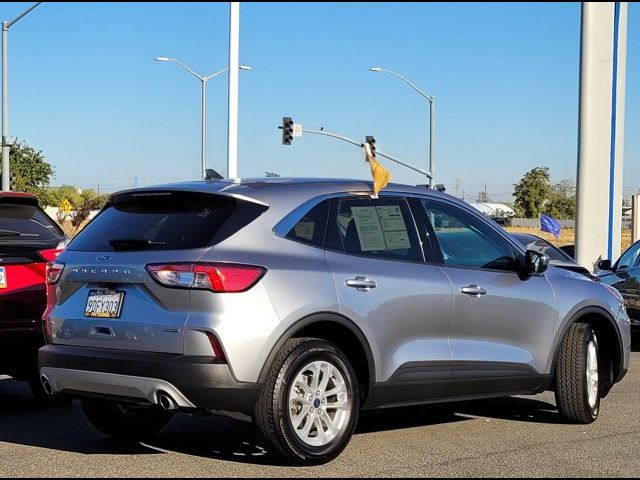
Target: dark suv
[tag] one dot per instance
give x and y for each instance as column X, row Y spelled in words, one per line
column 29, row 239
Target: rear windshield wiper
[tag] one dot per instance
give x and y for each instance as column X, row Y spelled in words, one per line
column 134, row 244
column 13, row 233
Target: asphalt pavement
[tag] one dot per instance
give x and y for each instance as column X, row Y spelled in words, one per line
column 520, row 436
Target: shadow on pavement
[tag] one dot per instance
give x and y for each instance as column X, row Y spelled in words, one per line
column 65, row 428
column 513, row 408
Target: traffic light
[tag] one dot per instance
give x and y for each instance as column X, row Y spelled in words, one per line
column 372, row 144
column 287, row 130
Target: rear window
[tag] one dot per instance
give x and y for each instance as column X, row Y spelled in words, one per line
column 165, row 221
column 26, row 222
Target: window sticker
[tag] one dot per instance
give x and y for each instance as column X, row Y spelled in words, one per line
column 369, row 229
column 397, row 240
column 381, row 228
column 395, row 230
column 304, row 229
column 391, row 218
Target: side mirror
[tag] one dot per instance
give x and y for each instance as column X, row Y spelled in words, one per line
column 604, row 265
column 535, row 262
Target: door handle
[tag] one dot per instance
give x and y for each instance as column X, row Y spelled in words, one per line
column 473, row 290
column 362, row 284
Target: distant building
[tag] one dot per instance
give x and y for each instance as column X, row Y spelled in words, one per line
column 497, row 211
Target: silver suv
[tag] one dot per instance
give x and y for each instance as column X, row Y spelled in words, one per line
column 299, row 303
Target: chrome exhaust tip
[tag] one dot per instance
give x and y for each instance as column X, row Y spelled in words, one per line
column 46, row 385
column 166, row 402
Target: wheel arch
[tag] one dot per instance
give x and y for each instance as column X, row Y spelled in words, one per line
column 344, row 333
column 607, row 331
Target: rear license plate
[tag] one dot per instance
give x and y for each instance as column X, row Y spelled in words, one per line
column 3, row 278
column 104, row 304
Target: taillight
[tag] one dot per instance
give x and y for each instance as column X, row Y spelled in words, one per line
column 51, row 254
column 53, row 273
column 217, row 277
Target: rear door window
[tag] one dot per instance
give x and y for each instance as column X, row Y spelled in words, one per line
column 165, row 221
column 26, row 222
column 376, row 228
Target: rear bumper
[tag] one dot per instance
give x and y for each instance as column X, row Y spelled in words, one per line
column 22, row 329
column 193, row 382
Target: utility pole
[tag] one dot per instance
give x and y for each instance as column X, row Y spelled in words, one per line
column 458, row 187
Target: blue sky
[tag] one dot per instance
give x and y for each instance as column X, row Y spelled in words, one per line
column 84, row 89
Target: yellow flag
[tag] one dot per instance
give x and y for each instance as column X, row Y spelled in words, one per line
column 381, row 176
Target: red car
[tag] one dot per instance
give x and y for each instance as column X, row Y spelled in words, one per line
column 29, row 239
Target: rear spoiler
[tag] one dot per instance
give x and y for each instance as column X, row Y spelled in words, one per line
column 18, row 198
column 242, row 193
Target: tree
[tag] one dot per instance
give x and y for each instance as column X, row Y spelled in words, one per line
column 83, row 202
column 29, row 171
column 532, row 191
column 54, row 196
column 89, row 200
column 562, row 200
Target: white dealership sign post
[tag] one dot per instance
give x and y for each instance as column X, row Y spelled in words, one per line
column 601, row 131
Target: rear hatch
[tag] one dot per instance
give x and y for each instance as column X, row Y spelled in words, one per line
column 28, row 238
column 106, row 298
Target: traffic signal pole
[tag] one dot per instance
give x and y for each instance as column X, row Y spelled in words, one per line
column 378, row 152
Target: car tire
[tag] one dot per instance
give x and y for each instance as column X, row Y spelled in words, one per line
column 290, row 415
column 578, row 387
column 122, row 421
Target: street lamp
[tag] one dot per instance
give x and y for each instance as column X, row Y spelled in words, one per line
column 203, row 79
column 6, row 141
column 432, row 119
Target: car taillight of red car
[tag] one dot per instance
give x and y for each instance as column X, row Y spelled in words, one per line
column 52, row 276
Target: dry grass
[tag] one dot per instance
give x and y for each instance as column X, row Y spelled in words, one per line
column 567, row 236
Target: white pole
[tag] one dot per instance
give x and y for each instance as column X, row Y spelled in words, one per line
column 5, row 112
column 234, row 60
column 601, row 131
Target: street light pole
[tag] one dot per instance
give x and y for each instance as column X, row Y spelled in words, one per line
column 432, row 118
column 6, row 141
column 232, row 122
column 203, row 80
column 432, row 138
column 203, row 134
